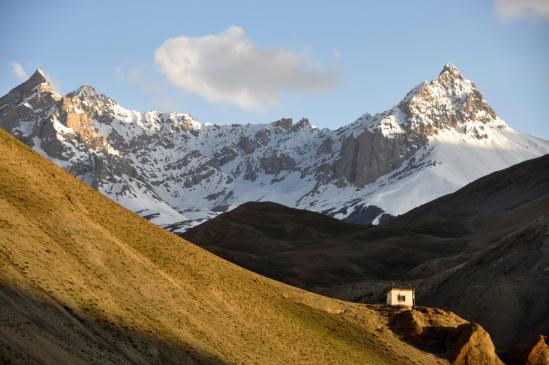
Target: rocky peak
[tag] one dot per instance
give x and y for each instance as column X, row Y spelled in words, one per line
column 85, row 91
column 87, row 98
column 180, row 122
column 445, row 102
column 88, row 93
column 284, row 123
column 450, row 70
column 24, row 90
column 302, row 124
column 38, row 77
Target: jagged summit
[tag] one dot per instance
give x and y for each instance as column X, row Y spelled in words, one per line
column 16, row 95
column 39, row 75
column 38, row 78
column 29, row 98
column 86, row 90
column 452, row 69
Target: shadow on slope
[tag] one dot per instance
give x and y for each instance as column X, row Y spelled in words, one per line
column 314, row 251
column 37, row 330
column 482, row 251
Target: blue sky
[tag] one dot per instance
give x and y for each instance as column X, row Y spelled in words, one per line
column 329, row 61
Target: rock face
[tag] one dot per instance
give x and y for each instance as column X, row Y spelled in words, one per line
column 539, row 353
column 446, row 334
column 470, row 344
column 179, row 172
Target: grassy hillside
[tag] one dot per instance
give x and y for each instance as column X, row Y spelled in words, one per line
column 84, row 280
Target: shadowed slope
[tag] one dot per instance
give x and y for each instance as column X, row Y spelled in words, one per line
column 311, row 250
column 481, row 251
column 84, row 280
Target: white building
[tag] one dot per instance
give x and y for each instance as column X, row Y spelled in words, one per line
column 401, row 297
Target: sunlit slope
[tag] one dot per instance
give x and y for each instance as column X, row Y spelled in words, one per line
column 84, row 280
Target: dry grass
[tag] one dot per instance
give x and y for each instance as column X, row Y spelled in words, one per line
column 121, row 289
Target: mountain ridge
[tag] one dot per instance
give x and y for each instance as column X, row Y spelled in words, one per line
column 179, row 172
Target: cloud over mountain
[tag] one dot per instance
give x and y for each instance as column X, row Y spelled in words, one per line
column 509, row 9
column 18, row 70
column 229, row 68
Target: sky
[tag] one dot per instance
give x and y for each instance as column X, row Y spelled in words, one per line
column 256, row 62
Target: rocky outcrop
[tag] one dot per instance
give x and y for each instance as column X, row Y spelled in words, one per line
column 535, row 353
column 365, row 158
column 444, row 333
column 284, row 123
column 470, row 344
column 246, row 144
column 325, row 147
column 539, row 353
column 275, row 163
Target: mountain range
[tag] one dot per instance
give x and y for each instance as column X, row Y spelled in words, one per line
column 177, row 172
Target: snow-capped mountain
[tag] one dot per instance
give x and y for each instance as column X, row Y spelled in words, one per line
column 178, row 172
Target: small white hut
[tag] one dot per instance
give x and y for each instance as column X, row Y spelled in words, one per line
column 401, row 297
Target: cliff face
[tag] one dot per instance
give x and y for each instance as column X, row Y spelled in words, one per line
column 179, row 172
column 447, row 102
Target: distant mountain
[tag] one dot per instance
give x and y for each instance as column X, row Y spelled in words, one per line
column 178, row 172
column 84, row 281
column 482, row 251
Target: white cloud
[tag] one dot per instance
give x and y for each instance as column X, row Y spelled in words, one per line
column 510, row 9
column 229, row 68
column 18, row 70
